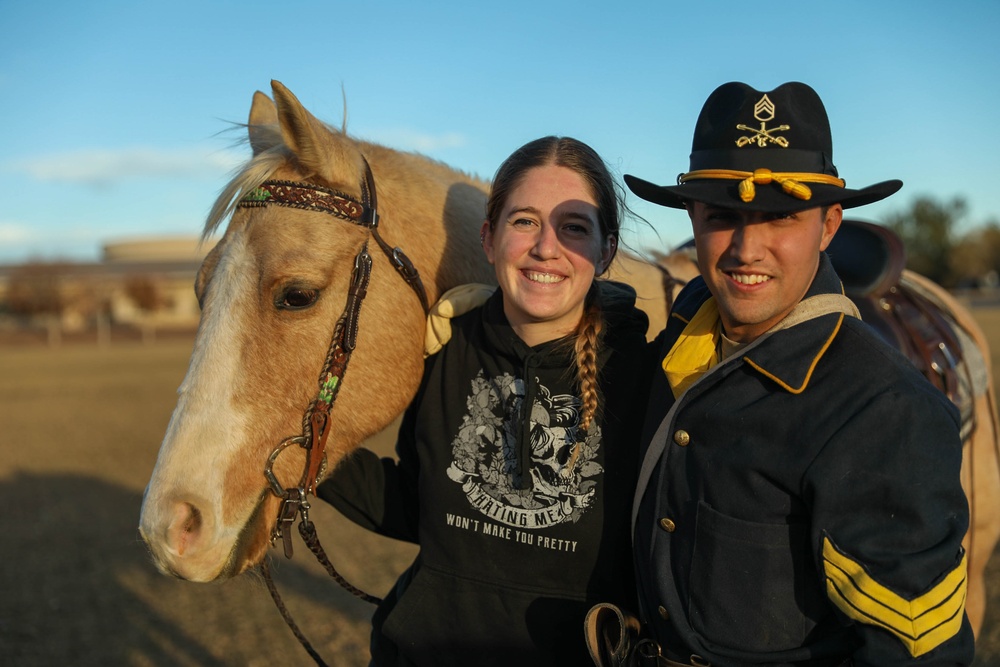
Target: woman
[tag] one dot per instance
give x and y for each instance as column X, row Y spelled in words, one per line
column 521, row 513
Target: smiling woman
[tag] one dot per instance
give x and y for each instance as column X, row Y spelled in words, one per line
column 520, row 445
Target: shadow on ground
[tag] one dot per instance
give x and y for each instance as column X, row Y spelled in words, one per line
column 79, row 588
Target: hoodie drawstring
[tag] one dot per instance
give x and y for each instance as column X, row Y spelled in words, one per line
column 523, row 477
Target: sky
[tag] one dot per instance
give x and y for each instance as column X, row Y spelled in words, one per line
column 116, row 118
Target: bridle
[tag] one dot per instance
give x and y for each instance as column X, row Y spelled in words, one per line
column 316, row 419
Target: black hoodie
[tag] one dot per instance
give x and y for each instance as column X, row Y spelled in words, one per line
column 515, row 545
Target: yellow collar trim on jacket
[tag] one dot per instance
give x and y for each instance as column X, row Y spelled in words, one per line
column 805, row 383
column 805, row 310
column 922, row 624
column 695, row 351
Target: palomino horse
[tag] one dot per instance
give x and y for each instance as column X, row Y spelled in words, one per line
column 981, row 449
column 271, row 292
column 942, row 338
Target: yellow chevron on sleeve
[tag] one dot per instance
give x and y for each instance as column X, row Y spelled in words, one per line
column 922, row 624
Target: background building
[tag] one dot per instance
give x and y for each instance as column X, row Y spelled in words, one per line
column 144, row 283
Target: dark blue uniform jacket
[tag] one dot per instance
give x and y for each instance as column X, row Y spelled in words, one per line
column 801, row 503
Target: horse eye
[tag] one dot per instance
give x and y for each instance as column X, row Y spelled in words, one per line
column 296, row 298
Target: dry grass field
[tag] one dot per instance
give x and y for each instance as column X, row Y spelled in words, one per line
column 79, row 431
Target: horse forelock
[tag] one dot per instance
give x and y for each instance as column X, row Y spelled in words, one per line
column 270, row 154
column 251, row 175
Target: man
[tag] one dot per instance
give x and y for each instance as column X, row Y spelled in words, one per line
column 799, row 500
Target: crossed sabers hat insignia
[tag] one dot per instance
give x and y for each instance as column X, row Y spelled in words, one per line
column 762, row 111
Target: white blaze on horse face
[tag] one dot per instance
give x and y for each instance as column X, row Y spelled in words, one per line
column 182, row 515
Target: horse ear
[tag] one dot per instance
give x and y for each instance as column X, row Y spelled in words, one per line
column 263, row 113
column 308, row 138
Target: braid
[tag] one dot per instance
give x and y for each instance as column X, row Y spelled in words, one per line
column 587, row 338
column 586, row 345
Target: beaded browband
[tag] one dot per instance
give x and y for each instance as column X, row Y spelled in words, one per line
column 309, row 197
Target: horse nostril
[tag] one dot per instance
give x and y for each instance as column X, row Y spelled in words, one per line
column 184, row 528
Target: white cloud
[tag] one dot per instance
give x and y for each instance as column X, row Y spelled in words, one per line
column 103, row 168
column 12, row 232
column 409, row 140
column 21, row 242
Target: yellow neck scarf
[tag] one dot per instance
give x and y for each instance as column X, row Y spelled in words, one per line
column 695, row 351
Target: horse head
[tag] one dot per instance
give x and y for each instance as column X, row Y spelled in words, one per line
column 271, row 292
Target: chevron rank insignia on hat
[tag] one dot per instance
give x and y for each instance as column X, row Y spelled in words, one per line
column 922, row 623
column 762, row 136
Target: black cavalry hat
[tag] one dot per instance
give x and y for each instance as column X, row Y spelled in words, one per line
column 762, row 152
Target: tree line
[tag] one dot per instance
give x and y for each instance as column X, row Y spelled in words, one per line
column 936, row 249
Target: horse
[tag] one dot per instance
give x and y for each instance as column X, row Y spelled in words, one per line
column 290, row 292
column 981, row 445
column 941, row 337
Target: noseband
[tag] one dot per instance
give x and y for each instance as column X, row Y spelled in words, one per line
column 316, row 420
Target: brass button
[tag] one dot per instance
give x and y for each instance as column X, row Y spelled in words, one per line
column 681, row 437
column 667, row 525
column 663, row 613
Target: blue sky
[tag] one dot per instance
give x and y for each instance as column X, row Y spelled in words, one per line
column 113, row 115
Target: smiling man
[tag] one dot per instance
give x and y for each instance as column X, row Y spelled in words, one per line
column 799, row 501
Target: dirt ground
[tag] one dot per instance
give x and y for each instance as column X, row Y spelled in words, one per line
column 79, row 431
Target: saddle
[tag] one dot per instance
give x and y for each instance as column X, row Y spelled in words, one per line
column 870, row 260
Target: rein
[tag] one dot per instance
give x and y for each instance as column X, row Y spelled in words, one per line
column 316, row 420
